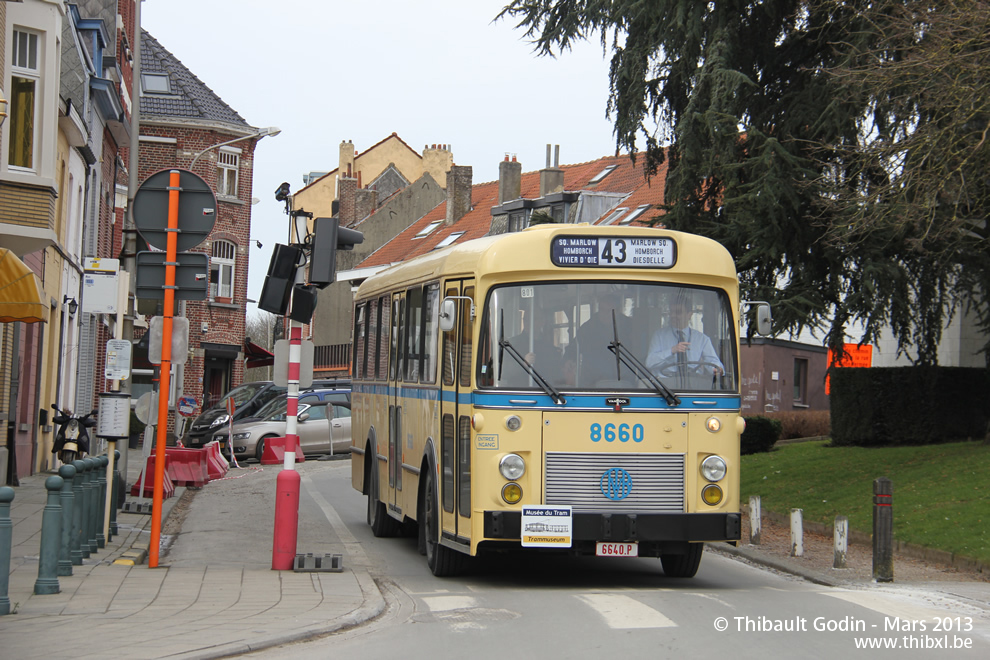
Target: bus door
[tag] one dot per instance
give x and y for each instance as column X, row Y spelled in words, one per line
column 455, row 415
column 396, row 372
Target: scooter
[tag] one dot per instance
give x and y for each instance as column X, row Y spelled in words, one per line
column 72, row 440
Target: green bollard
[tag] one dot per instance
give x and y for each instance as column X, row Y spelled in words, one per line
column 87, row 503
column 6, row 539
column 101, row 504
column 94, row 506
column 75, row 546
column 68, row 473
column 115, row 490
column 51, row 533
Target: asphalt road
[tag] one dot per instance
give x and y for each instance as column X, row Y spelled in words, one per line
column 535, row 606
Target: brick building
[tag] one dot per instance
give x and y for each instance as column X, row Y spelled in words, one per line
column 185, row 125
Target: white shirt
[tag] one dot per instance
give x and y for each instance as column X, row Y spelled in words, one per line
column 660, row 355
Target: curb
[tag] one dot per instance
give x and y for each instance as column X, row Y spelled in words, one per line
column 782, row 565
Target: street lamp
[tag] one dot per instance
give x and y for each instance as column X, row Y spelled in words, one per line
column 260, row 133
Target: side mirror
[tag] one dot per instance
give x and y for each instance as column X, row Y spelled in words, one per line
column 302, row 417
column 448, row 315
column 764, row 321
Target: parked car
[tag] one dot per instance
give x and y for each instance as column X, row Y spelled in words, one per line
column 323, row 427
column 248, row 399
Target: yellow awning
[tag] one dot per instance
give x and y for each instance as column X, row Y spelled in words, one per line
column 21, row 298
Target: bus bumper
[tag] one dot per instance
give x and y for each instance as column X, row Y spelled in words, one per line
column 645, row 527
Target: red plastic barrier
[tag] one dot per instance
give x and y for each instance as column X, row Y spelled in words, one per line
column 168, row 488
column 187, row 467
column 216, row 464
column 275, row 452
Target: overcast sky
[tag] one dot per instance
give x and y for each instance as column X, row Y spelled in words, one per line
column 432, row 71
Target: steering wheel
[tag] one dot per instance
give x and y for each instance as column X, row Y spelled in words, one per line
column 691, row 367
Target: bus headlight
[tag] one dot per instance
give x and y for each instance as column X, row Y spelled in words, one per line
column 513, row 423
column 713, row 468
column 512, row 466
column 511, row 493
column 712, row 494
column 713, row 424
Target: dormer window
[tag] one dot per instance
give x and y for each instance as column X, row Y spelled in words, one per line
column 449, row 240
column 155, row 83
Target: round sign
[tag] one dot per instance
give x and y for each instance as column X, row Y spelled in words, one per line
column 146, row 403
column 186, row 406
column 197, row 210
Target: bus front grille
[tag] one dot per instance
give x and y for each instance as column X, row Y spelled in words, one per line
column 615, row 482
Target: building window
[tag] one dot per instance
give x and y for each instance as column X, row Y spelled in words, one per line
column 601, row 175
column 518, row 221
column 428, row 229
column 640, row 210
column 450, row 239
column 228, row 162
column 155, row 83
column 800, row 381
column 25, row 78
column 614, row 215
column 222, row 272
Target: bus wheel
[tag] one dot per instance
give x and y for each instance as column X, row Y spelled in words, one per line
column 443, row 561
column 382, row 525
column 683, row 566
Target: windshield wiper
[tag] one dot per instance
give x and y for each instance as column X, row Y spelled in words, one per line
column 634, row 364
column 505, row 346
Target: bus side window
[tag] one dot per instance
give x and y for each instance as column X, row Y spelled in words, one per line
column 357, row 359
column 449, row 347
column 467, row 349
column 382, row 350
column 431, row 302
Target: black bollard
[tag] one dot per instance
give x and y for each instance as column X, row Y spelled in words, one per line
column 6, row 539
column 101, row 482
column 66, row 498
column 883, row 530
column 94, row 504
column 114, row 490
column 51, row 535
column 75, row 547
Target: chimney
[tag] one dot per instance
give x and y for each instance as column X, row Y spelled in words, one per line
column 346, row 161
column 347, row 193
column 509, row 180
column 552, row 178
column 458, row 192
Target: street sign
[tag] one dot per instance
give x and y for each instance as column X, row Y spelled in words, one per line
column 114, row 420
column 146, row 404
column 180, row 339
column 192, row 275
column 197, row 210
column 307, row 353
column 118, row 360
column 186, row 406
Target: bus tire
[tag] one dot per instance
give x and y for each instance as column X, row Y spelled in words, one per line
column 683, row 566
column 443, row 561
column 382, row 525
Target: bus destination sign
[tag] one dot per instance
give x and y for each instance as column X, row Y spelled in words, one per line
column 613, row 252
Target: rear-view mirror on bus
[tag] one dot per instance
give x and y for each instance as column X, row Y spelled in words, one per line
column 448, row 315
column 764, row 321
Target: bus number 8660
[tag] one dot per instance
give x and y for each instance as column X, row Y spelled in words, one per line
column 622, row 433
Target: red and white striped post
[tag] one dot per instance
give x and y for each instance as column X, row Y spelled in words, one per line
column 287, row 482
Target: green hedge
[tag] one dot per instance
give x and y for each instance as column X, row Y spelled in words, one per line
column 761, row 434
column 880, row 406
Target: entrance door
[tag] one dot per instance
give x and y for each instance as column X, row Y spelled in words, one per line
column 455, row 415
column 396, row 373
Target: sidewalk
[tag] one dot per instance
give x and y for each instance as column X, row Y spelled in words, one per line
column 214, row 593
column 212, row 607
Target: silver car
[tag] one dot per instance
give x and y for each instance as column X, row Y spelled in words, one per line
column 323, row 427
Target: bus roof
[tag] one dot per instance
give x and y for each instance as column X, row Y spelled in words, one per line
column 528, row 252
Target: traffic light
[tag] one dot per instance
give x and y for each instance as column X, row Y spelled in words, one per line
column 328, row 237
column 281, row 276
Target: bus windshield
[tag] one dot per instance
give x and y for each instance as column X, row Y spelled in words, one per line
column 569, row 334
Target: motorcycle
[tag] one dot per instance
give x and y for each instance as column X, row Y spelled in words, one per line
column 72, row 439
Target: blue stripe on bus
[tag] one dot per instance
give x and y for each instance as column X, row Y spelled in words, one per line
column 540, row 400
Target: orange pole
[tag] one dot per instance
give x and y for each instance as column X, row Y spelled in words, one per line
column 166, row 367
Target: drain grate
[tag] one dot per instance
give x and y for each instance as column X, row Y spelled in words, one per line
column 136, row 507
column 327, row 563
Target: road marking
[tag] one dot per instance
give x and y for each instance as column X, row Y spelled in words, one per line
column 889, row 605
column 447, row 603
column 623, row 612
